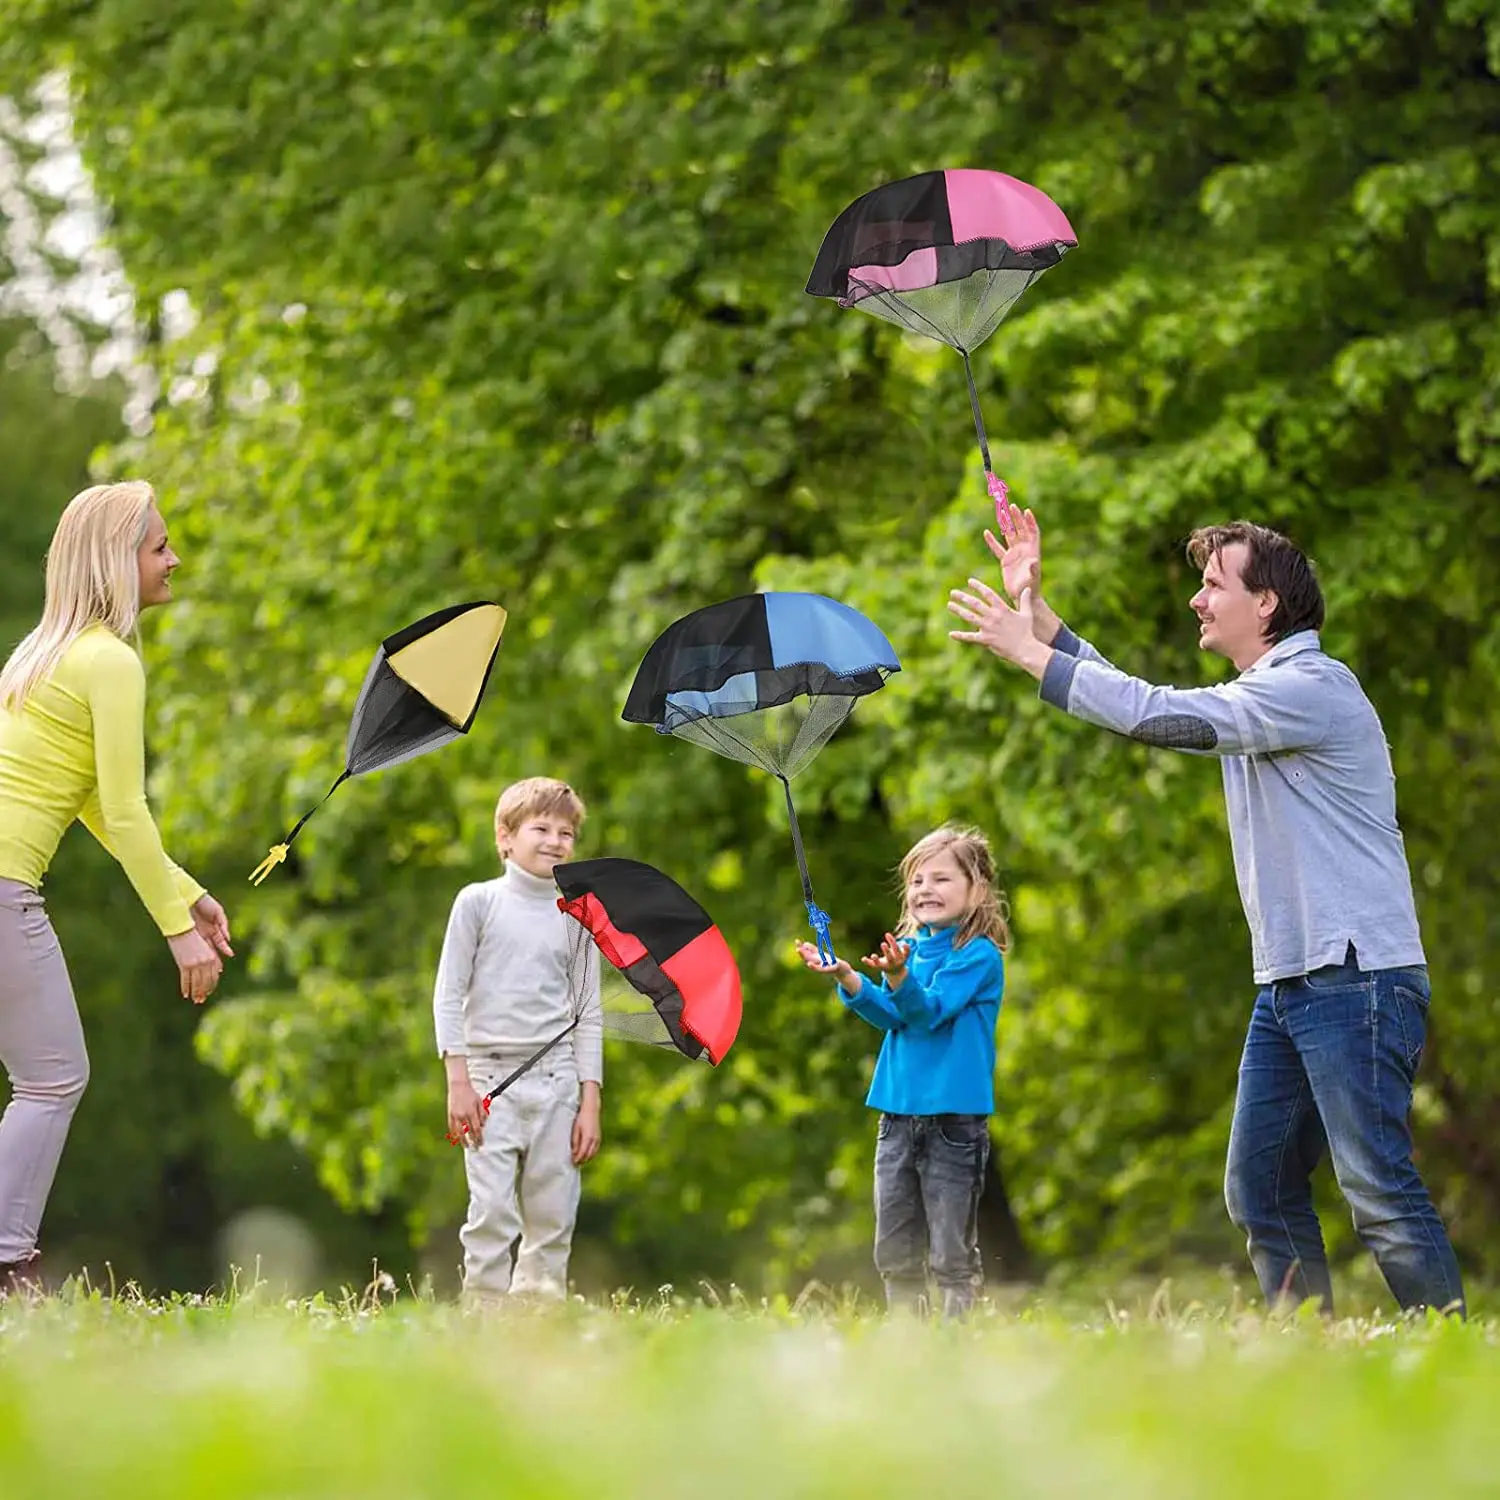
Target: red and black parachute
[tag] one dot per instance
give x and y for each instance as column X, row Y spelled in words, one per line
column 665, row 945
column 666, row 948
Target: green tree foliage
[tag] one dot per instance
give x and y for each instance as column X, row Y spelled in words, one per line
column 508, row 302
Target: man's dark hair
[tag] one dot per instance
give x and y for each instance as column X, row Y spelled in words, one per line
column 1273, row 563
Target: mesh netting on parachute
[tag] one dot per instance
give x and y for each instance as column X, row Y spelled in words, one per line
column 622, row 1012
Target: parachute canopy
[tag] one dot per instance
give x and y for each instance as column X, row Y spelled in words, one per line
column 423, row 688
column 765, row 679
column 668, row 949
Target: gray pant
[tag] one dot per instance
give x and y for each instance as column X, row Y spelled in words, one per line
column 523, row 1186
column 41, row 1045
column 929, row 1174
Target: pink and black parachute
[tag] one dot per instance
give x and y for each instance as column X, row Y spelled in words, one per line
column 945, row 255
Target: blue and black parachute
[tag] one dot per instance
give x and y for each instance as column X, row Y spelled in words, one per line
column 765, row 679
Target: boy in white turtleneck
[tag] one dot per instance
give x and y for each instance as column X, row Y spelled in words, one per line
column 514, row 972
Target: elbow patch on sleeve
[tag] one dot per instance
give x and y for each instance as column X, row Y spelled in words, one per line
column 1176, row 732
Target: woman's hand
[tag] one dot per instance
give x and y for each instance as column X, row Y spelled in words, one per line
column 840, row 968
column 212, row 923
column 890, row 961
column 198, row 966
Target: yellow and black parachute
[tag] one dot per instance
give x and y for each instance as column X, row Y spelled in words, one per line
column 423, row 689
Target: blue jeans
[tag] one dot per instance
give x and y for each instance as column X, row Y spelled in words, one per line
column 929, row 1174
column 1329, row 1062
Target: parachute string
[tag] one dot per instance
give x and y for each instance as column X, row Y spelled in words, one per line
column 505, row 1083
column 791, row 812
column 898, row 311
column 785, row 738
column 530, row 1062
column 279, row 851
column 961, row 314
column 984, row 444
column 789, row 736
column 817, row 918
column 716, row 734
column 343, row 776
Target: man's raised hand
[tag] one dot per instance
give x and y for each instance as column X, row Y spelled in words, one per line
column 1018, row 550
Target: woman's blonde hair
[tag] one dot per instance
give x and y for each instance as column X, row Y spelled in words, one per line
column 987, row 913
column 93, row 578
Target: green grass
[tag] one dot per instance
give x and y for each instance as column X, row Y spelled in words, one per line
column 664, row 1398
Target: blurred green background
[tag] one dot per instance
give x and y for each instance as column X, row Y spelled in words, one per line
column 402, row 305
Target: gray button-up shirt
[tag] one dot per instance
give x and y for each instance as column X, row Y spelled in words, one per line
column 1308, row 786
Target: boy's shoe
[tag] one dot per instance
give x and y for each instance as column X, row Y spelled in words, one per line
column 477, row 1303
column 537, row 1293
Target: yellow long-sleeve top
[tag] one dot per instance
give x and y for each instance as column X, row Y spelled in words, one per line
column 76, row 749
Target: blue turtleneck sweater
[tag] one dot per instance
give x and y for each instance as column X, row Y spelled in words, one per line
column 938, row 1056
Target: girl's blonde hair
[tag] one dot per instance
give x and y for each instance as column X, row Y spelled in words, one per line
column 987, row 914
column 93, row 578
column 537, row 796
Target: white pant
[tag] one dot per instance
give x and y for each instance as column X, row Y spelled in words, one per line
column 522, row 1181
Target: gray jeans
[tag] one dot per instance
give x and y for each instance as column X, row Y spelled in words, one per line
column 41, row 1045
column 929, row 1174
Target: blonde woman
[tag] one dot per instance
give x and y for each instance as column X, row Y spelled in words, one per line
column 72, row 715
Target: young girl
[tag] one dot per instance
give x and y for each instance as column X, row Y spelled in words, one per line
column 937, row 1003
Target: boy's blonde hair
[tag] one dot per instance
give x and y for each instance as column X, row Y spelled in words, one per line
column 987, row 914
column 93, row 578
column 537, row 796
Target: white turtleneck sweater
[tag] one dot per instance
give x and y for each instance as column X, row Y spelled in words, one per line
column 515, row 971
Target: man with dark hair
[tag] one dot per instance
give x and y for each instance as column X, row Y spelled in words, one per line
column 1340, row 1019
